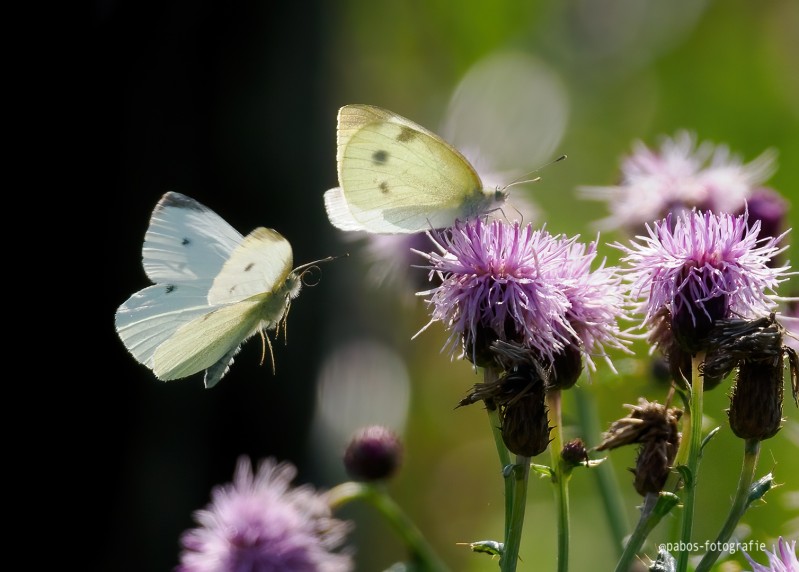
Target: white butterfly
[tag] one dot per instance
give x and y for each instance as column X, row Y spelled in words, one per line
column 212, row 290
column 397, row 177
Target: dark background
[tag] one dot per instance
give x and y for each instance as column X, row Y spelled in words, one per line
column 219, row 101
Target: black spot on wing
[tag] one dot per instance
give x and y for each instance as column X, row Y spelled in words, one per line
column 380, row 157
column 383, row 187
column 170, row 288
column 249, row 267
column 405, row 134
column 185, row 241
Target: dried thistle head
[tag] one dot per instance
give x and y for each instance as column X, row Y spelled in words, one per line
column 654, row 427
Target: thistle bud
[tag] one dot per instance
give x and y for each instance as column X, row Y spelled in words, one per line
column 525, row 426
column 566, row 368
column 756, row 403
column 374, row 453
column 477, row 344
column 574, row 453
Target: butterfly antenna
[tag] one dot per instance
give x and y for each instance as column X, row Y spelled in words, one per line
column 523, row 180
column 311, row 265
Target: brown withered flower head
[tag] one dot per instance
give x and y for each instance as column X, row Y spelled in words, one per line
column 654, row 427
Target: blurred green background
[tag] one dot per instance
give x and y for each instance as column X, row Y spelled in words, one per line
column 235, row 105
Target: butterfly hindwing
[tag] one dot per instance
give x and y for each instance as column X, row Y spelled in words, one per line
column 152, row 315
column 207, row 339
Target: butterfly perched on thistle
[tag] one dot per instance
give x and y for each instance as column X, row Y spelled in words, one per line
column 396, row 177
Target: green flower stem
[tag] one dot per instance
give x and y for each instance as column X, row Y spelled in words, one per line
column 519, row 475
column 697, row 394
column 674, row 480
column 654, row 509
column 560, row 476
column 739, row 505
column 606, row 480
column 421, row 552
column 490, row 376
column 681, row 458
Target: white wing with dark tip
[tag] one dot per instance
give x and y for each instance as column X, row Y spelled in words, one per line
column 186, row 242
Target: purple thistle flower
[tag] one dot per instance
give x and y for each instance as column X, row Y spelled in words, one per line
column 390, row 258
column 508, row 282
column 701, row 267
column 262, row 524
column 682, row 176
column 597, row 299
column 783, row 559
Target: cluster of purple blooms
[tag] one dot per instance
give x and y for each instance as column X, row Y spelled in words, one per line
column 709, row 252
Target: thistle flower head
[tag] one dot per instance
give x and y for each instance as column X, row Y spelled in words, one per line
column 507, row 282
column 678, row 176
column 261, row 523
column 782, row 559
column 696, row 268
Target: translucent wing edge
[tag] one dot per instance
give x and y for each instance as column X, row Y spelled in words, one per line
column 338, row 211
column 152, row 315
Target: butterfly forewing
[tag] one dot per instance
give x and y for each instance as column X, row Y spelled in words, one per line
column 186, row 241
column 261, row 263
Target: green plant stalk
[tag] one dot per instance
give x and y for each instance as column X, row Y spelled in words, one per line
column 489, row 376
column 605, row 477
column 697, row 394
column 654, row 509
column 739, row 505
column 681, row 458
column 513, row 540
column 560, row 477
column 421, row 552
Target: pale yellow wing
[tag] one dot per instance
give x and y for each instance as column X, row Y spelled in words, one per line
column 203, row 342
column 396, row 176
column 261, row 263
